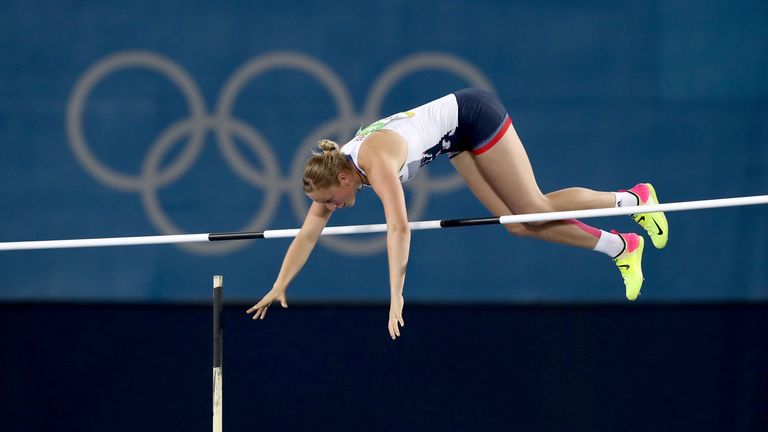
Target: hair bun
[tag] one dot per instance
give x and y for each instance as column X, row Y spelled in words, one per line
column 328, row 146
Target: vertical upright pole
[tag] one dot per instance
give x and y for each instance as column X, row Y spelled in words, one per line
column 218, row 353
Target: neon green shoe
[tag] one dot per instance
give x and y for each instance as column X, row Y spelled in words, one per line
column 629, row 263
column 655, row 224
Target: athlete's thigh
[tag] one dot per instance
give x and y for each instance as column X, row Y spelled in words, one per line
column 466, row 165
column 507, row 169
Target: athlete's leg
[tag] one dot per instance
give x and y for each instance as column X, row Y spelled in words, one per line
column 567, row 232
column 507, row 168
column 626, row 249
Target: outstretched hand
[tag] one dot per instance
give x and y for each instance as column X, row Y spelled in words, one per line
column 261, row 307
column 396, row 316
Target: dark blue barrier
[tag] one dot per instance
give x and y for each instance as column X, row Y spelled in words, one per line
column 485, row 368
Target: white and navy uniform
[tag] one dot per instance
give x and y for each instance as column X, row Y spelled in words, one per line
column 467, row 120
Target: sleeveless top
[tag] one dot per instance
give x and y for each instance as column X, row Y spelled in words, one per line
column 426, row 129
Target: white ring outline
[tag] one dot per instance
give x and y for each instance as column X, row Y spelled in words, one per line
column 261, row 65
column 224, row 125
column 126, row 60
column 151, row 200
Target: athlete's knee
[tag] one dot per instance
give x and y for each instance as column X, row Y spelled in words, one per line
column 541, row 204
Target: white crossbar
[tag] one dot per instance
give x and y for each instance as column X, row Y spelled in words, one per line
column 377, row 228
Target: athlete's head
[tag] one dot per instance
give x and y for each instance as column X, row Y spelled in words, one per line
column 330, row 178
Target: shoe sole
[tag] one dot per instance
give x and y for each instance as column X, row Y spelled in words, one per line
column 640, row 248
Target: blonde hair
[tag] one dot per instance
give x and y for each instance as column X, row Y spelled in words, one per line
column 322, row 169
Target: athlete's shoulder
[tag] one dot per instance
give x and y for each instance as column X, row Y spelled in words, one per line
column 384, row 145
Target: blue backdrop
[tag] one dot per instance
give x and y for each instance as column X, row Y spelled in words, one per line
column 159, row 118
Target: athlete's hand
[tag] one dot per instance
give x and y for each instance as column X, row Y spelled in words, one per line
column 396, row 316
column 276, row 293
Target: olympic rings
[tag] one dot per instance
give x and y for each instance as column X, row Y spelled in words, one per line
column 154, row 176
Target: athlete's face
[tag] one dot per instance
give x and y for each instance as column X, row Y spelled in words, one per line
column 339, row 196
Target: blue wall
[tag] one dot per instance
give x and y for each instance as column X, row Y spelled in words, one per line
column 156, row 118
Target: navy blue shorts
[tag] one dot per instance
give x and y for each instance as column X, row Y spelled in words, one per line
column 483, row 120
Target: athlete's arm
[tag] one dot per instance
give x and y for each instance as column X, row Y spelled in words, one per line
column 382, row 160
column 295, row 258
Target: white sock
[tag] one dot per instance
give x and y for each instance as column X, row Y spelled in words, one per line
column 610, row 244
column 626, row 199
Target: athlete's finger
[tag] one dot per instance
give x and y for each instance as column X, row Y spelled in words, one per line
column 257, row 307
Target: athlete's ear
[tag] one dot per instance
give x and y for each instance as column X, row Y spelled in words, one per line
column 343, row 178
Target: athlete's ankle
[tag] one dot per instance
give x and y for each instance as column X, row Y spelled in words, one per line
column 642, row 192
column 626, row 199
column 630, row 243
column 610, row 244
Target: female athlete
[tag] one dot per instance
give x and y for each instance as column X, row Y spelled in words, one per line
column 473, row 128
